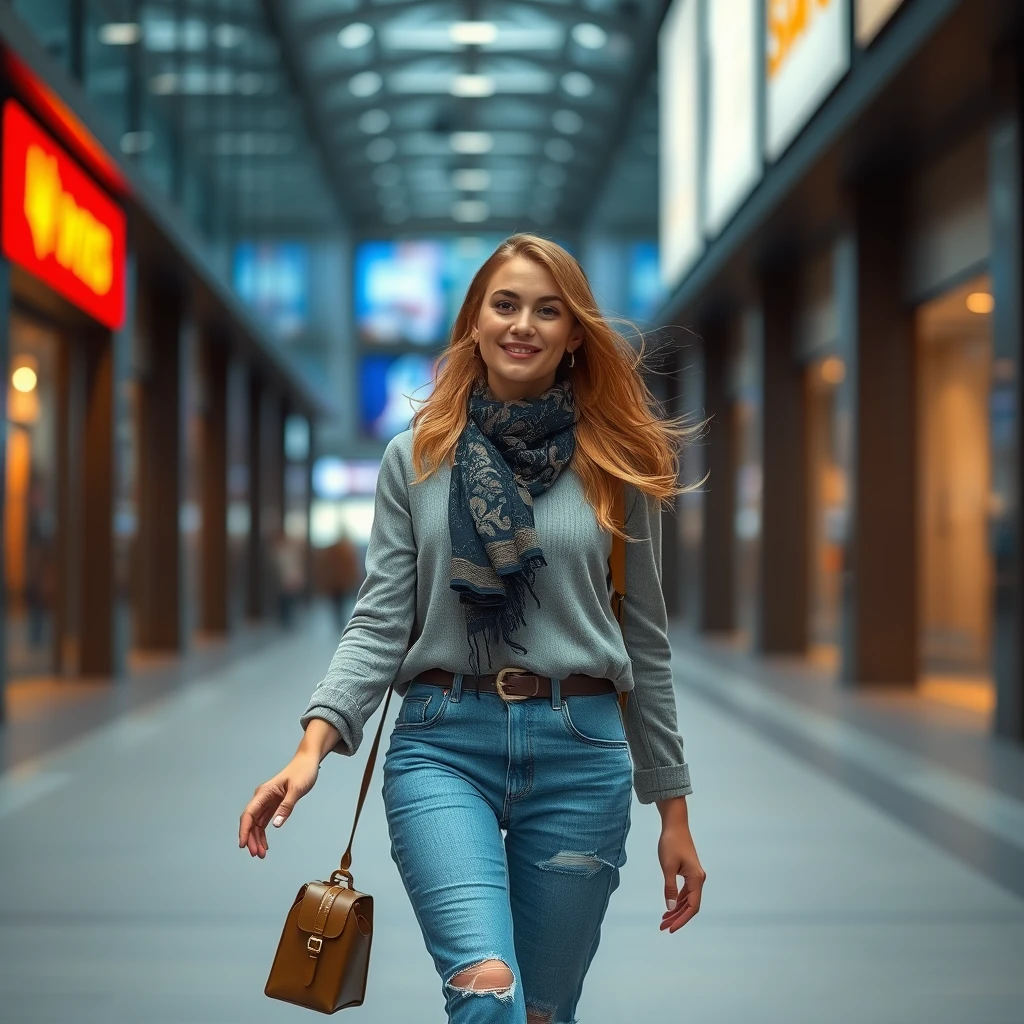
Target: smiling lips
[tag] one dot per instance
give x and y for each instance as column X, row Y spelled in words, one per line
column 520, row 351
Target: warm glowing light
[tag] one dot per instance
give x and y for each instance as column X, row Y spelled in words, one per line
column 980, row 302
column 833, row 370
column 24, row 379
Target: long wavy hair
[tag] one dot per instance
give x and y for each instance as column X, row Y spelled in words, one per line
column 619, row 435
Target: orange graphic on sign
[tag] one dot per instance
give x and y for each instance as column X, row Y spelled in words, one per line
column 59, row 226
column 788, row 20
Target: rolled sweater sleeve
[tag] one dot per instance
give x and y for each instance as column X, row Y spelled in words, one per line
column 660, row 771
column 376, row 638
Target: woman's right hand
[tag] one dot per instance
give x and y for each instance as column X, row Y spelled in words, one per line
column 276, row 799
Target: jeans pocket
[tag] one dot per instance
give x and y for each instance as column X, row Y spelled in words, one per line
column 595, row 720
column 423, row 706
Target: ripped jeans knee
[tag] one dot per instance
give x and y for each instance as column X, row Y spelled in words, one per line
column 491, row 977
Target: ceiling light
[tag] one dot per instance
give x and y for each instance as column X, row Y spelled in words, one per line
column 366, row 83
column 136, row 142
column 227, row 36
column 375, row 121
column 575, row 83
column 470, row 211
column 552, row 176
column 351, row 37
column 590, row 37
column 387, row 175
column 120, row 33
column 471, row 179
column 472, row 85
column 559, row 149
column 163, row 84
column 473, row 33
column 833, row 370
column 249, row 83
column 568, row 122
column 381, row 150
column 472, row 142
column 24, row 379
column 980, row 302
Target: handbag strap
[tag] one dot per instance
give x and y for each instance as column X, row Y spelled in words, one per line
column 617, row 563
column 346, row 857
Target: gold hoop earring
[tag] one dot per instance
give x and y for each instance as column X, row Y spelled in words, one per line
column 572, row 360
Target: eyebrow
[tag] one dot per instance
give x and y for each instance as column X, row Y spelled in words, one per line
column 515, row 295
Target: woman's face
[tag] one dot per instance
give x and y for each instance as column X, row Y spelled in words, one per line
column 523, row 330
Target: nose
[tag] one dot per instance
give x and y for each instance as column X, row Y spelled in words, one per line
column 522, row 325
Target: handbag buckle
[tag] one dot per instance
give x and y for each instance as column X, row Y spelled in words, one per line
column 499, row 684
column 319, row 944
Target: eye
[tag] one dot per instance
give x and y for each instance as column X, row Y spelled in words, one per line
column 548, row 311
column 503, row 305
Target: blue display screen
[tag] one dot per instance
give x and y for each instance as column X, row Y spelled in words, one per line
column 272, row 279
column 386, row 383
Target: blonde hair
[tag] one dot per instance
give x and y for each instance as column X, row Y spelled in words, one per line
column 618, row 435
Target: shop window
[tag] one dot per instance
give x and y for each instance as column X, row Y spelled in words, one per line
column 32, row 566
column 955, row 572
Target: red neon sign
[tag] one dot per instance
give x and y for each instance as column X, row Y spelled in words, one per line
column 58, row 224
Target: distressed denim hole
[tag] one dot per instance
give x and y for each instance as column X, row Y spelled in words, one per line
column 488, row 978
column 572, row 862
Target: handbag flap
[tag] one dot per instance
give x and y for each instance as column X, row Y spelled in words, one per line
column 337, row 900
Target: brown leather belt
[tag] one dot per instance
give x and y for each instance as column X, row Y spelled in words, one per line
column 517, row 684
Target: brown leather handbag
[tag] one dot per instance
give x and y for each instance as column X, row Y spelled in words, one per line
column 324, row 954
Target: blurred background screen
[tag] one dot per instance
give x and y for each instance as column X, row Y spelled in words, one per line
column 272, row 279
column 390, row 387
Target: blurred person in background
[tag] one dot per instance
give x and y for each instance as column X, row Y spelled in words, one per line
column 288, row 556
column 342, row 574
column 491, row 537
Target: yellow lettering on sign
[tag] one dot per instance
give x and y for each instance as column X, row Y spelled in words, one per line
column 62, row 228
column 788, row 20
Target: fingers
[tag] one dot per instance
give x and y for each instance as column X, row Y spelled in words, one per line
column 671, row 888
column 684, row 908
column 252, row 823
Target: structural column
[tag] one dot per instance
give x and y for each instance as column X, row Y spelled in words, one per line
column 714, row 604
column 880, row 627
column 100, row 642
column 160, row 622
column 214, row 573
column 782, row 602
column 256, row 553
column 1006, row 170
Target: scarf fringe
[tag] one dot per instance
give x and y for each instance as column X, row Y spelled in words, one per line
column 500, row 620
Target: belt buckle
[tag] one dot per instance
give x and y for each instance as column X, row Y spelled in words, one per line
column 499, row 684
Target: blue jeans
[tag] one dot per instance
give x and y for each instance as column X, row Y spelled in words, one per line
column 556, row 777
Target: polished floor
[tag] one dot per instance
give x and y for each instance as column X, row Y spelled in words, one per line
column 865, row 860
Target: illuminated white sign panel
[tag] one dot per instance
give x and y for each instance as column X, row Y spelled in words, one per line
column 679, row 79
column 871, row 16
column 807, row 52
column 733, row 163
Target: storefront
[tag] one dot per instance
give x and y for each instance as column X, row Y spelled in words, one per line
column 64, row 245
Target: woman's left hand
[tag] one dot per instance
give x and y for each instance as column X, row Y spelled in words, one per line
column 678, row 857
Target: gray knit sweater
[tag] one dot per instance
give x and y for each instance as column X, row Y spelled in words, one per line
column 407, row 619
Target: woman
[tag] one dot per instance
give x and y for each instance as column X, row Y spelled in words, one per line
column 490, row 542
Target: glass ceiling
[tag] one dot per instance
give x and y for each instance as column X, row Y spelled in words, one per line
column 437, row 113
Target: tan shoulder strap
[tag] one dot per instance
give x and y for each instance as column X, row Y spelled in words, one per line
column 617, row 561
column 617, row 564
column 346, row 857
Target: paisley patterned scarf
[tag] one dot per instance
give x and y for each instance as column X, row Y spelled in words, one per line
column 508, row 453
